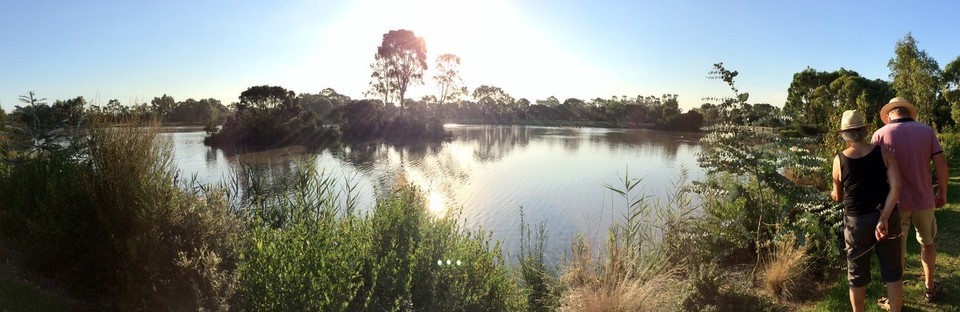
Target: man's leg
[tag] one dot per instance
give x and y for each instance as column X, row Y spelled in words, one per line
column 858, row 298
column 926, row 224
column 905, row 218
column 894, row 295
column 928, row 255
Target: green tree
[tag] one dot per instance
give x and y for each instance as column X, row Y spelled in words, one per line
column 950, row 80
column 400, row 61
column 492, row 100
column 816, row 97
column 266, row 97
column 163, row 106
column 3, row 118
column 269, row 116
column 448, row 79
column 915, row 76
column 71, row 111
column 551, row 101
column 803, row 100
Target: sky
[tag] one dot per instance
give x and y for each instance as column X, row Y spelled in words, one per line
column 136, row 50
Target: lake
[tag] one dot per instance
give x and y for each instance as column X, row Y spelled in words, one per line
column 556, row 174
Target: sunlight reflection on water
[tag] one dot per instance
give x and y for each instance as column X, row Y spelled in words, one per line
column 486, row 173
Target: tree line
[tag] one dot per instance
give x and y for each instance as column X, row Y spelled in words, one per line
column 273, row 115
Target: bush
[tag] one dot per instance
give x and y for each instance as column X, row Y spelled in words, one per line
column 366, row 120
column 950, row 142
column 307, row 240
column 113, row 221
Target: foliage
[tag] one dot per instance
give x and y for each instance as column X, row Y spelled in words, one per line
column 20, row 296
column 133, row 237
column 916, row 77
column 209, row 112
column 816, row 98
column 38, row 128
column 689, row 121
column 307, row 240
column 269, row 116
column 366, row 120
column 950, row 142
column 748, row 202
column 712, row 288
column 162, row 106
column 399, row 63
column 950, row 88
column 640, row 256
column 448, row 79
column 323, row 103
column 539, row 280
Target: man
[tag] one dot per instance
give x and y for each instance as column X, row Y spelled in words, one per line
column 914, row 145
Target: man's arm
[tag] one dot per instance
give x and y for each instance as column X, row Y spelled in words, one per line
column 940, row 163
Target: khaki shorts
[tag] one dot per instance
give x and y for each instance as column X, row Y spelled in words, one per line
column 924, row 221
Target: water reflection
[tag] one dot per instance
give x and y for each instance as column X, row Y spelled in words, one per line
column 489, row 172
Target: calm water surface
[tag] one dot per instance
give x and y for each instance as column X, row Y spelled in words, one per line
column 489, row 172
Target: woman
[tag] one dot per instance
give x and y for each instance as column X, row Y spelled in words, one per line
column 866, row 179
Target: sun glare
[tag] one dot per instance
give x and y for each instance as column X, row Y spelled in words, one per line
column 437, row 204
column 497, row 45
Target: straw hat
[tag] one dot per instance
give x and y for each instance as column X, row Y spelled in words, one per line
column 894, row 103
column 852, row 119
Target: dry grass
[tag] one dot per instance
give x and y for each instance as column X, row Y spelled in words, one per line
column 621, row 283
column 626, row 294
column 783, row 275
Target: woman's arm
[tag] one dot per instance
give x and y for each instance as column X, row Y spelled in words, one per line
column 893, row 179
column 837, row 193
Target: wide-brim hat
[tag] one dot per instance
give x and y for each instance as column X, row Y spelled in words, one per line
column 894, row 103
column 852, row 119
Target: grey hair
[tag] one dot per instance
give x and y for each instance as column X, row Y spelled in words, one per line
column 854, row 135
column 900, row 110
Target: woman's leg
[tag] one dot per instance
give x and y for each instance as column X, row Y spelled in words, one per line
column 858, row 298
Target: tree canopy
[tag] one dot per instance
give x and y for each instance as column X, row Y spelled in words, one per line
column 399, row 63
column 915, row 76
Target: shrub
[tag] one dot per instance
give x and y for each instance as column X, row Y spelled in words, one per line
column 950, row 142
column 538, row 279
column 114, row 222
column 307, row 240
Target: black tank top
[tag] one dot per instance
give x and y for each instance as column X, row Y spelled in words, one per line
column 864, row 181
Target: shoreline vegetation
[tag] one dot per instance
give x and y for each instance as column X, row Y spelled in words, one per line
column 91, row 202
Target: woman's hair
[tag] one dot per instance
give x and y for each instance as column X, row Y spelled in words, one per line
column 854, row 135
column 901, row 111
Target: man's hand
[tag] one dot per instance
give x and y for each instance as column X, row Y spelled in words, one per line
column 941, row 199
column 881, row 231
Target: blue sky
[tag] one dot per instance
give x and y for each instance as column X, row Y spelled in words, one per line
column 137, row 50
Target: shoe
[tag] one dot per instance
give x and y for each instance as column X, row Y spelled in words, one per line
column 933, row 292
column 884, row 303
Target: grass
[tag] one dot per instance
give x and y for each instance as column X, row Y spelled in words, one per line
column 948, row 265
column 18, row 296
column 782, row 274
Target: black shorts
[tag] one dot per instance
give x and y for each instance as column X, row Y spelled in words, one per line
column 859, row 235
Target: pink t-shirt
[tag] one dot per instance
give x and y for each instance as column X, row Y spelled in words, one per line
column 913, row 145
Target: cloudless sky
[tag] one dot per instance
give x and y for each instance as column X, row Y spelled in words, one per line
column 136, row 50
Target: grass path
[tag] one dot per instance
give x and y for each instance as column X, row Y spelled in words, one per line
column 948, row 265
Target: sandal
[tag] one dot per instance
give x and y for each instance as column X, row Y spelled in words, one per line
column 884, row 303
column 932, row 293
